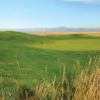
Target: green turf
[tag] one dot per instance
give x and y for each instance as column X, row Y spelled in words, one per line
column 72, row 45
column 24, row 57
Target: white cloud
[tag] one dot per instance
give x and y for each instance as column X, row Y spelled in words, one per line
column 85, row 1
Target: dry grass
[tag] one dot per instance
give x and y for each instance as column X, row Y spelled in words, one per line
column 86, row 87
column 66, row 33
column 1, row 98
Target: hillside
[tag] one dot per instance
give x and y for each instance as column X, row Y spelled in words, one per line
column 30, row 59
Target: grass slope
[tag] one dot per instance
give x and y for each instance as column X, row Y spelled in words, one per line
column 19, row 60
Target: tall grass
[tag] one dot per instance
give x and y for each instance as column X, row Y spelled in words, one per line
column 85, row 86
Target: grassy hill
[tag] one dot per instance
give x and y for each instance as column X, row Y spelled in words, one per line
column 32, row 59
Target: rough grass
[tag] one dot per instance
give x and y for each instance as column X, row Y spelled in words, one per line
column 83, row 86
column 87, row 87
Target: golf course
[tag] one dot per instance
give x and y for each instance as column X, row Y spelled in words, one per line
column 32, row 59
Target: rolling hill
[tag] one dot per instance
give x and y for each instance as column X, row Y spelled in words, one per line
column 32, row 59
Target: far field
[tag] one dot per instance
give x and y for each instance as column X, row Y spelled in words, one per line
column 32, row 58
column 72, row 45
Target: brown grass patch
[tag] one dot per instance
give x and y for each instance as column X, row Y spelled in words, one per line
column 66, row 33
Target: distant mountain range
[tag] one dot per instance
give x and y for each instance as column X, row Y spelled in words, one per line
column 58, row 29
column 64, row 29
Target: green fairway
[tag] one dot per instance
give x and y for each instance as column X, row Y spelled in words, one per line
column 72, row 45
column 32, row 59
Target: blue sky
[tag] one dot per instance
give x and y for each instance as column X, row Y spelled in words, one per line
column 49, row 13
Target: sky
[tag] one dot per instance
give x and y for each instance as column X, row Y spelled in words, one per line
column 49, row 13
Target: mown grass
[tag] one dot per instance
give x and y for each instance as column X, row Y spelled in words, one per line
column 72, row 45
column 30, row 65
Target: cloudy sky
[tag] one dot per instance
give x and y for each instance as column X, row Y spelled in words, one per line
column 49, row 13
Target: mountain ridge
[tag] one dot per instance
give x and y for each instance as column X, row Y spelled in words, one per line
column 57, row 29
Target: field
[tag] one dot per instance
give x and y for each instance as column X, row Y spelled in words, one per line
column 33, row 59
column 67, row 33
column 72, row 45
